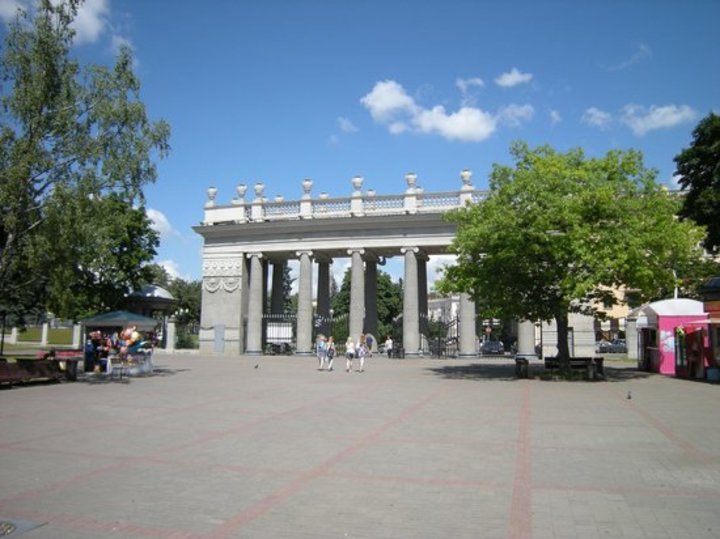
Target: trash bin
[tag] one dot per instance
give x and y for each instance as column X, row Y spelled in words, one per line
column 522, row 367
column 591, row 370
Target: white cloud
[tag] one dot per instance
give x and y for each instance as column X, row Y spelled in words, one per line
column 119, row 42
column 8, row 9
column 514, row 115
column 172, row 268
column 643, row 51
column 398, row 127
column 387, row 99
column 597, row 118
column 435, row 265
column 389, row 103
column 160, row 223
column 91, row 20
column 467, row 124
column 641, row 119
column 465, row 84
column 513, row 78
column 346, row 126
column 555, row 117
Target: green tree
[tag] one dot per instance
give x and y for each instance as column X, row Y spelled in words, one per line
column 76, row 149
column 558, row 231
column 188, row 295
column 699, row 169
column 157, row 275
column 94, row 267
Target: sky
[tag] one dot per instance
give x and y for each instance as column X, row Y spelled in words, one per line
column 277, row 91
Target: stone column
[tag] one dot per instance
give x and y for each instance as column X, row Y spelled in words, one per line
column 422, row 293
column 170, row 335
column 13, row 336
column 526, row 339
column 466, row 327
column 371, row 325
column 255, row 306
column 266, row 272
column 411, row 321
column 277, row 298
column 44, row 334
column 77, row 336
column 304, row 314
column 323, row 295
column 357, row 293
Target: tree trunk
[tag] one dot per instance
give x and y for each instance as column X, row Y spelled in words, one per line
column 562, row 341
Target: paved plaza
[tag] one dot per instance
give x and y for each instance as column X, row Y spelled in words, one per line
column 214, row 447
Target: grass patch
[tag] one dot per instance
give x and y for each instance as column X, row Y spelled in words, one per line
column 56, row 336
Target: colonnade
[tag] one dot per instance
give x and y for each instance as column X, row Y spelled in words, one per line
column 363, row 298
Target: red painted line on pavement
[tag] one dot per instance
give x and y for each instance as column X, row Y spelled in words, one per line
column 263, row 506
column 520, row 525
column 59, row 485
column 680, row 442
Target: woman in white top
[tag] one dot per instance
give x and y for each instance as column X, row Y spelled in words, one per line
column 349, row 354
column 388, row 346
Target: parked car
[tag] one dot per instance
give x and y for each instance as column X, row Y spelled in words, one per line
column 489, row 348
column 601, row 346
column 618, row 346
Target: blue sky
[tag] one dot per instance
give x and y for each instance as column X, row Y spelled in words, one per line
column 277, row 91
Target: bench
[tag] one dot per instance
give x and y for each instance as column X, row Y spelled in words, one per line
column 594, row 366
column 11, row 373
column 41, row 369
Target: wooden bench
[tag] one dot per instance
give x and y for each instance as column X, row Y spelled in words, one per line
column 41, row 369
column 594, row 366
column 11, row 373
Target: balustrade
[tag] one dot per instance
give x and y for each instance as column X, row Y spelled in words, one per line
column 414, row 200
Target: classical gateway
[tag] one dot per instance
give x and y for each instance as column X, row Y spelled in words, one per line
column 244, row 239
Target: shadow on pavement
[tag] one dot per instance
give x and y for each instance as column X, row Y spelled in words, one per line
column 93, row 379
column 505, row 372
column 477, row 371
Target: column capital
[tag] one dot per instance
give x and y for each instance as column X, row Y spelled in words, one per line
column 358, row 250
column 304, row 252
column 371, row 256
column 323, row 257
column 252, row 255
column 405, row 250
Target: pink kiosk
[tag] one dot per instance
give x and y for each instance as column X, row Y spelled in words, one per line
column 674, row 339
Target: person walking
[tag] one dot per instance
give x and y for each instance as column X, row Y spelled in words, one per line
column 362, row 351
column 349, row 354
column 330, row 352
column 321, row 351
column 388, row 346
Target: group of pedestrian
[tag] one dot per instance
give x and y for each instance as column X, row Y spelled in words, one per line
column 325, row 349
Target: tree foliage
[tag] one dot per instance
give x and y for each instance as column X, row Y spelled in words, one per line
column 76, row 149
column 559, row 231
column 699, row 170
